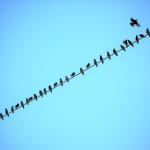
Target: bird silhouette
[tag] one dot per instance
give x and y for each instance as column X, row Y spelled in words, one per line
column 134, row 22
column 27, row 101
column 45, row 91
column 50, row 88
column 22, row 104
column 148, row 32
column 73, row 74
column 115, row 52
column 101, row 59
column 108, row 55
column 41, row 93
column 35, row 97
column 12, row 109
column 82, row 71
column 1, row 115
column 122, row 47
column 30, row 99
column 95, row 63
column 67, row 79
column 130, row 43
column 88, row 65
column 125, row 42
column 61, row 82
column 6, row 112
column 137, row 39
column 17, row 105
column 142, row 35
column 55, row 84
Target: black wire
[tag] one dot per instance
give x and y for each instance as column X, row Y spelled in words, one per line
column 98, row 62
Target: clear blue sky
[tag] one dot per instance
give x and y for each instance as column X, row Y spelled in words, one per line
column 107, row 109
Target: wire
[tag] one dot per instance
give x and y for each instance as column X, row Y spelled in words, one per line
column 70, row 78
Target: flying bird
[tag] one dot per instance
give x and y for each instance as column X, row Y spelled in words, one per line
column 134, row 22
column 82, row 71
column 6, row 111
column 115, row 52
column 108, row 55
column 101, row 59
column 95, row 63
column 130, row 43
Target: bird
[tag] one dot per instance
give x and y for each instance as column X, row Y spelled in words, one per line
column 88, row 65
column 148, row 32
column 130, row 43
column 27, row 101
column 12, row 109
column 61, row 82
column 122, row 47
column 41, row 93
column 115, row 52
column 142, row 35
column 108, row 55
column 22, row 104
column 35, row 97
column 73, row 74
column 134, row 22
column 6, row 111
column 45, row 91
column 17, row 105
column 30, row 99
column 82, row 71
column 1, row 115
column 125, row 42
column 50, row 88
column 101, row 59
column 67, row 79
column 55, row 84
column 137, row 39
column 95, row 63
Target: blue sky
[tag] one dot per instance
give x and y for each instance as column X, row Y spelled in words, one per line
column 107, row 108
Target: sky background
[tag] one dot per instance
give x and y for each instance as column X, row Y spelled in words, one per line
column 42, row 41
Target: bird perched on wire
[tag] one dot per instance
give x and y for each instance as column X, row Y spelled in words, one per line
column 148, row 32
column 61, row 82
column 115, row 52
column 67, row 79
column 122, row 47
column 88, row 65
column 101, row 59
column 35, row 97
column 130, row 43
column 82, row 71
column 45, row 91
column 108, row 55
column 50, row 88
column 12, row 109
column 1, row 116
column 22, row 104
column 6, row 112
column 134, row 22
column 125, row 42
column 137, row 39
column 95, row 63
